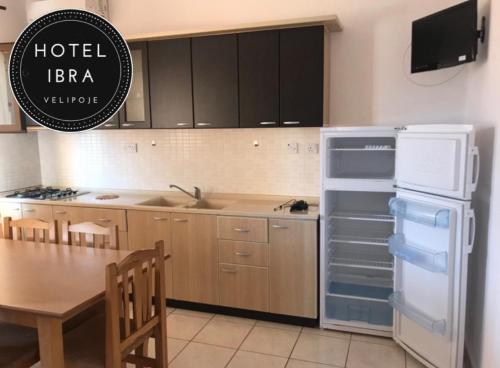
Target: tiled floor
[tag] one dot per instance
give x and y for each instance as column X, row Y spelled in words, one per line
column 215, row 341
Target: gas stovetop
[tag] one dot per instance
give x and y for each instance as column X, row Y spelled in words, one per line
column 45, row 193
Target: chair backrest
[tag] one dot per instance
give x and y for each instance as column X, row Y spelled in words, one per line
column 135, row 309
column 88, row 234
column 30, row 230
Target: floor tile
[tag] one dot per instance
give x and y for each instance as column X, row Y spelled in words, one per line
column 411, row 362
column 278, row 325
column 273, row 341
column 374, row 339
column 174, row 346
column 184, row 327
column 247, row 321
column 246, row 359
column 328, row 333
column 321, row 349
column 223, row 333
column 197, row 355
column 170, row 310
column 368, row 355
column 187, row 312
column 293, row 363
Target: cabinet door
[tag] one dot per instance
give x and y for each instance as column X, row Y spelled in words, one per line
column 37, row 211
column 171, row 85
column 113, row 123
column 144, row 230
column 215, row 81
column 258, row 55
column 12, row 210
column 10, row 114
column 136, row 113
column 301, row 76
column 194, row 258
column 293, row 262
column 245, row 287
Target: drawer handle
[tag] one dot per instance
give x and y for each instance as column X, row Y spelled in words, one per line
column 291, row 123
column 16, row 209
column 267, row 123
column 104, row 220
column 243, row 254
column 60, row 212
column 159, row 218
column 180, row 220
column 241, row 230
column 279, row 227
column 229, row 270
column 29, row 210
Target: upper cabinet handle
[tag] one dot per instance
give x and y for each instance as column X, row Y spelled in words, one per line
column 279, row 227
column 159, row 218
column 267, row 123
column 110, row 125
column 291, row 123
column 127, row 124
column 180, row 220
column 203, row 124
column 183, row 124
column 241, row 230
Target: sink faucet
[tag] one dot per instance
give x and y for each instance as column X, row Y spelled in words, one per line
column 197, row 191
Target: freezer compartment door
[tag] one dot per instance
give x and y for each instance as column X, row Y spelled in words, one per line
column 430, row 249
column 437, row 159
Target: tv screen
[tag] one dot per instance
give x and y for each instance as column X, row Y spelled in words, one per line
column 445, row 39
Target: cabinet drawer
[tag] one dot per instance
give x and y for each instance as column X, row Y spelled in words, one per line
column 12, row 210
column 100, row 216
column 244, row 287
column 242, row 228
column 244, row 253
column 37, row 211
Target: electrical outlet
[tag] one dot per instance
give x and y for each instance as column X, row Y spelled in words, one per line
column 312, row 148
column 130, row 147
column 293, row 147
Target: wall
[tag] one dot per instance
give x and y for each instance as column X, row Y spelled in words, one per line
column 13, row 20
column 483, row 330
column 215, row 160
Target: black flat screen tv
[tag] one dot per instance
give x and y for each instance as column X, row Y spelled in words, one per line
column 445, row 39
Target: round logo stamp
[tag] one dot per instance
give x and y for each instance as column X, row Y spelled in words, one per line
column 70, row 70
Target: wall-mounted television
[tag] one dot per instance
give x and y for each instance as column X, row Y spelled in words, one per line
column 445, row 39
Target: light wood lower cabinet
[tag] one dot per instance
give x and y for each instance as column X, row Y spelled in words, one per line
column 244, row 253
column 245, row 287
column 37, row 211
column 293, row 267
column 12, row 210
column 194, row 258
column 144, row 230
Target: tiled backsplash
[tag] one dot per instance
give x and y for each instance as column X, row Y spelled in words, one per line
column 19, row 162
column 224, row 161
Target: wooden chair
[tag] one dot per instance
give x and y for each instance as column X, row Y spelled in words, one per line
column 88, row 234
column 18, row 346
column 30, row 230
column 135, row 312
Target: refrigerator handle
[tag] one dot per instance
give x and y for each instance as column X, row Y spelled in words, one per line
column 476, row 162
column 472, row 231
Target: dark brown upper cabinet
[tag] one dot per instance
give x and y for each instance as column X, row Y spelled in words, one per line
column 136, row 113
column 258, row 56
column 302, row 76
column 171, row 84
column 112, row 123
column 215, row 81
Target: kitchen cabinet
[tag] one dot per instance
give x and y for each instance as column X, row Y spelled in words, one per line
column 10, row 113
column 144, row 230
column 242, row 228
column 245, row 253
column 37, row 211
column 215, row 81
column 245, row 287
column 136, row 113
column 171, row 83
column 293, row 267
column 258, row 60
column 112, row 123
column 194, row 258
column 302, row 75
column 12, row 210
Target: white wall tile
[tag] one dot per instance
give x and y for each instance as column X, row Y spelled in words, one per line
column 216, row 160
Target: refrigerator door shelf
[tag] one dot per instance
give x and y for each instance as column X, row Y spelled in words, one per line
column 437, row 159
column 422, row 213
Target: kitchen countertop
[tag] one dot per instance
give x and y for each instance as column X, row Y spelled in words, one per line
column 232, row 204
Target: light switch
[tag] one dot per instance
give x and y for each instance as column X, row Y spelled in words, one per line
column 293, row 147
column 130, row 147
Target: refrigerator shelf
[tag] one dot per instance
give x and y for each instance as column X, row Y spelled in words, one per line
column 360, row 276
column 420, row 212
column 372, row 312
column 384, row 242
column 362, row 149
column 430, row 260
column 363, row 292
column 396, row 300
column 362, row 216
column 361, row 263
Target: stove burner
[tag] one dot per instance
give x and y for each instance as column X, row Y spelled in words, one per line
column 45, row 193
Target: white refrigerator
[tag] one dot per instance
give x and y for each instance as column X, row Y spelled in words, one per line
column 396, row 232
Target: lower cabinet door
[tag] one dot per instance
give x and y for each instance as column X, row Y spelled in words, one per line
column 245, row 287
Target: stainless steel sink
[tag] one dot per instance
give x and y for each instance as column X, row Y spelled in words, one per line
column 209, row 204
column 163, row 202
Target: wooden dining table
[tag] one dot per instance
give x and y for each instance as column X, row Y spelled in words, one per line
column 42, row 286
